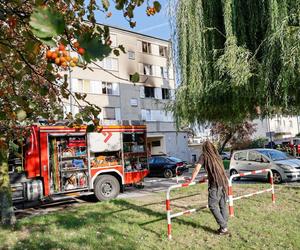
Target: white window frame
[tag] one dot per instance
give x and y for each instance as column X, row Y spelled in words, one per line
column 146, row 47
column 104, row 113
column 164, row 72
column 158, row 93
column 147, row 68
column 110, row 63
column 75, row 85
column 107, row 89
column 164, row 49
column 131, row 55
column 163, row 96
column 115, row 88
column 145, row 87
column 142, row 92
column 95, row 87
column 148, row 115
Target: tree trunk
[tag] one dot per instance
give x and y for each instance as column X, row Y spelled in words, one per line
column 6, row 207
column 227, row 139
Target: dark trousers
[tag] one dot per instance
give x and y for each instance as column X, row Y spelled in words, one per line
column 217, row 205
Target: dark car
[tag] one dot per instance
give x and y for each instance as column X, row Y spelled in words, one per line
column 166, row 166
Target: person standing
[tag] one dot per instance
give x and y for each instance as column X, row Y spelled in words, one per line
column 217, row 184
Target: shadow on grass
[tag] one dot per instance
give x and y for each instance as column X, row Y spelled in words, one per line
column 156, row 203
column 80, row 230
column 100, row 228
column 160, row 215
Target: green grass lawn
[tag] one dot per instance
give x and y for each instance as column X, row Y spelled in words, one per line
column 141, row 224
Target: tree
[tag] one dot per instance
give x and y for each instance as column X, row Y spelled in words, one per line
column 36, row 38
column 233, row 133
column 237, row 59
column 259, row 142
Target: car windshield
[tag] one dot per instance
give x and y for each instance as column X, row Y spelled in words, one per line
column 174, row 159
column 275, row 155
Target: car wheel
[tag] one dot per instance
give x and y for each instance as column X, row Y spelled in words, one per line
column 168, row 173
column 233, row 172
column 106, row 187
column 277, row 179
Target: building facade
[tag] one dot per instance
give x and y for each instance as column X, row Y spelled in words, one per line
column 107, row 85
column 277, row 128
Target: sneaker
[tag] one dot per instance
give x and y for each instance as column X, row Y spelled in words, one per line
column 223, row 231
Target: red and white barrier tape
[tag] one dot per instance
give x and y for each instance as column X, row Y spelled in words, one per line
column 230, row 191
column 168, row 205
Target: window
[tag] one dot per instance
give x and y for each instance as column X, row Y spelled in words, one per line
column 155, row 144
column 110, row 63
column 109, row 113
column 131, row 55
column 147, row 69
column 148, row 115
column 77, row 85
column 133, row 102
column 165, row 94
column 254, row 156
column 162, row 51
column 241, row 156
column 95, row 87
column 163, row 72
column 149, row 92
column 291, row 123
column 107, row 88
column 146, row 47
column 194, row 158
column 160, row 160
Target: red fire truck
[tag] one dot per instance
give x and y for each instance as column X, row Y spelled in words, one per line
column 58, row 160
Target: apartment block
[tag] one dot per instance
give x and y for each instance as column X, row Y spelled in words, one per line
column 107, row 85
column 277, row 128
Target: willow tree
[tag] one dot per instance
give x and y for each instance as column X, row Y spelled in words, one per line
column 236, row 59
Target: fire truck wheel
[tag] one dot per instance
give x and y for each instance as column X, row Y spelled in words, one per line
column 106, row 187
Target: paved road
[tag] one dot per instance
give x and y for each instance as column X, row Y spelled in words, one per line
column 153, row 185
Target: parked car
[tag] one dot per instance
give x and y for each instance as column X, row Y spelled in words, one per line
column 225, row 155
column 284, row 167
column 166, row 166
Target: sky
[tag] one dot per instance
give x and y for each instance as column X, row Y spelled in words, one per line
column 157, row 25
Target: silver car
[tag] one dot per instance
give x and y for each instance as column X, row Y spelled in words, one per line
column 284, row 167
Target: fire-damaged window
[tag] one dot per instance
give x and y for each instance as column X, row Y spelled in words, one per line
column 149, row 92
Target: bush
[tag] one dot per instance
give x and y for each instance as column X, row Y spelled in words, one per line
column 258, row 142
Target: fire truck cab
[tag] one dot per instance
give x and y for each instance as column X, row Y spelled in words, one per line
column 59, row 160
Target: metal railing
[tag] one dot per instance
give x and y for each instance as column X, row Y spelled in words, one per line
column 168, row 204
column 230, row 190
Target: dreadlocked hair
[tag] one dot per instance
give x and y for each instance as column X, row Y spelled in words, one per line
column 214, row 165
